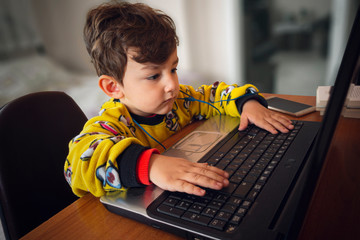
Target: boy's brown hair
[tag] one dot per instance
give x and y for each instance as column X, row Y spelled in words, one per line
column 112, row 28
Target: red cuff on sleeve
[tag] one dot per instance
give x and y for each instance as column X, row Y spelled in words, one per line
column 142, row 166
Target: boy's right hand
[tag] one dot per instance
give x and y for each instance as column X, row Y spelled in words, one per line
column 178, row 174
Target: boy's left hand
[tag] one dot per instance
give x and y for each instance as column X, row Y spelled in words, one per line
column 255, row 113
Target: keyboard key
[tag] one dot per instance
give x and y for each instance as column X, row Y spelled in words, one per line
column 252, row 195
column 246, row 204
column 190, row 198
column 243, row 190
column 257, row 187
column 239, row 147
column 229, row 189
column 236, row 179
column 229, row 208
column 221, row 165
column 241, row 211
column 202, row 201
column 177, row 195
column 266, row 173
column 230, row 156
column 219, row 154
column 229, row 171
column 171, row 201
column 238, row 161
column 196, row 218
column 217, row 224
column 242, row 156
column 236, row 219
column 259, row 150
column 250, row 178
column 215, row 204
column 243, row 170
column 213, row 161
column 222, row 215
column 234, row 151
column 220, row 197
column 268, row 154
column 210, row 212
column 270, row 137
column 183, row 205
column 270, row 168
column 255, row 156
column 234, row 201
column 253, row 132
column 209, row 195
column 255, row 172
column 259, row 166
column 262, row 179
column 232, row 167
column 196, row 208
column 171, row 211
column 231, row 228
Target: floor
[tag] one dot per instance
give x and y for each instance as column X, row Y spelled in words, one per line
column 297, row 73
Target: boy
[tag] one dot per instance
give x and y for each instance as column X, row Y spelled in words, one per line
column 133, row 48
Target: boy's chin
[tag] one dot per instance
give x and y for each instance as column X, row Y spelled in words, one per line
column 164, row 111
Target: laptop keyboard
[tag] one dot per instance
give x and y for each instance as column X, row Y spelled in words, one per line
column 249, row 157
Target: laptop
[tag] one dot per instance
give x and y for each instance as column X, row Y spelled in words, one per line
column 272, row 178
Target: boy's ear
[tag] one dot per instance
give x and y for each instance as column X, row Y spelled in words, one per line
column 110, row 86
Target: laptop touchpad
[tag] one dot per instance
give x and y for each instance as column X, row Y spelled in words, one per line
column 198, row 141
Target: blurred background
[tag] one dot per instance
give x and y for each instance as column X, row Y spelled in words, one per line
column 281, row 46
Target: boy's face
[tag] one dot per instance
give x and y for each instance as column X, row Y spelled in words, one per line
column 149, row 88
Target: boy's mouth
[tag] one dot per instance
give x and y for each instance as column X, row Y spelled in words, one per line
column 169, row 100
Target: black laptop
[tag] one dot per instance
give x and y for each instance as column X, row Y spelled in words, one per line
column 272, row 176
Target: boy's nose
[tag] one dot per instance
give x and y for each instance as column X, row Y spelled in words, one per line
column 170, row 83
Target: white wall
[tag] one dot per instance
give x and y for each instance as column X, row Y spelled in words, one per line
column 343, row 13
column 61, row 24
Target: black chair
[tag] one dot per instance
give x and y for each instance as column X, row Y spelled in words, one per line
column 34, row 134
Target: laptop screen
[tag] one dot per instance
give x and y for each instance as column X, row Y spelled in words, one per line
column 348, row 75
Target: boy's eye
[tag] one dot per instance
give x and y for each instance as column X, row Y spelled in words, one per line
column 153, row 77
column 174, row 70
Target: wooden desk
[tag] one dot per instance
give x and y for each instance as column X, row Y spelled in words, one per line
column 334, row 212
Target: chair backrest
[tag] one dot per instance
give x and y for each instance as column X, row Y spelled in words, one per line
column 34, row 134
